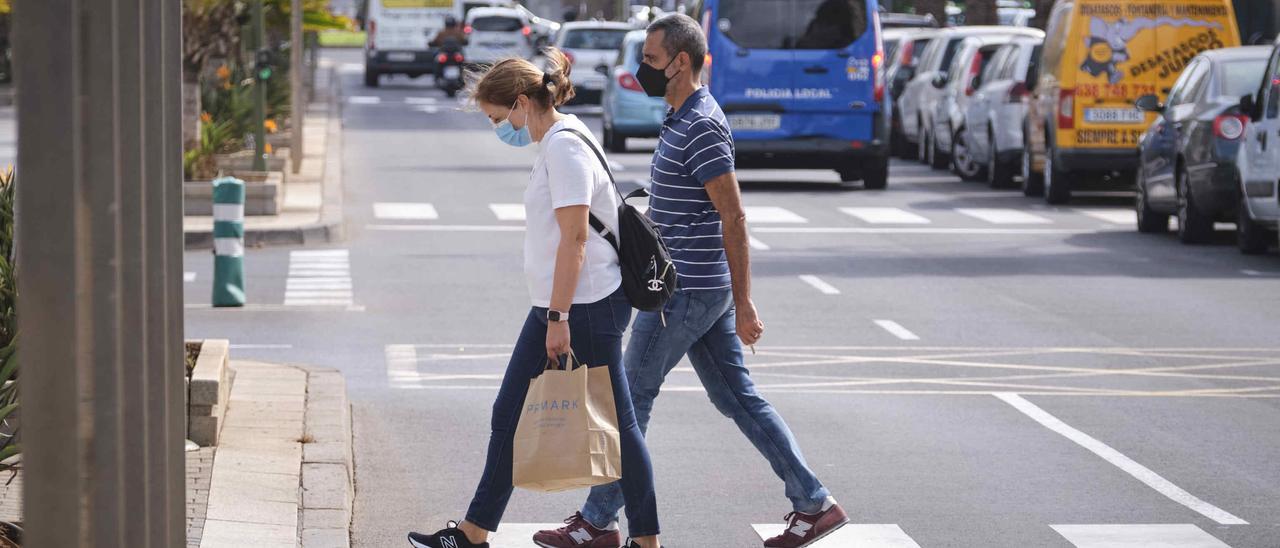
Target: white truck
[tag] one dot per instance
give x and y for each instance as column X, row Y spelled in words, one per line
column 399, row 32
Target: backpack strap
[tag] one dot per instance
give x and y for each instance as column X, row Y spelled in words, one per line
column 596, row 223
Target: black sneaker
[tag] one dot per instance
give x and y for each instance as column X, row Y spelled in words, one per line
column 449, row 537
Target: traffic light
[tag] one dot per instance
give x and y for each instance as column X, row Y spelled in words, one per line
column 263, row 69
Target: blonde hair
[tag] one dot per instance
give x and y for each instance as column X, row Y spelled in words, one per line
column 510, row 78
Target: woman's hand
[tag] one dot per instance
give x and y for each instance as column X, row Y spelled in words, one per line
column 557, row 340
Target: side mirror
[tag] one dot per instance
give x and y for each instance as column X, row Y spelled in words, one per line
column 1149, row 103
column 940, row 80
column 1247, row 106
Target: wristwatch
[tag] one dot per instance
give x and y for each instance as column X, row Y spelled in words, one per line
column 557, row 316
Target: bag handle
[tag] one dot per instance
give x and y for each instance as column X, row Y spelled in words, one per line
column 570, row 363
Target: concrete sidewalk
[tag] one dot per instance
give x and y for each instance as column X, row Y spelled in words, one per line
column 312, row 207
column 282, row 474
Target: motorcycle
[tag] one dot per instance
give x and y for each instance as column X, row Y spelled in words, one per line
column 449, row 63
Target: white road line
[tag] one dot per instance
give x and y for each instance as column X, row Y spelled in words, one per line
column 1002, row 216
column 772, row 214
column 445, row 228
column 861, row 535
column 895, row 329
column 402, row 366
column 364, row 100
column 920, row 230
column 429, row 109
column 817, row 283
column 756, row 243
column 312, row 253
column 1116, row 458
column 508, row 212
column 1114, row 216
column 1165, row 535
column 405, row 211
column 318, row 277
column 262, row 346
column 519, row 535
column 188, row 276
column 420, row 100
column 349, row 68
column 885, row 215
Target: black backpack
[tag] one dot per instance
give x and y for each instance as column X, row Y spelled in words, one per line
column 648, row 273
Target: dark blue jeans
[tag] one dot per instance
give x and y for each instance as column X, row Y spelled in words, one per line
column 702, row 325
column 595, row 333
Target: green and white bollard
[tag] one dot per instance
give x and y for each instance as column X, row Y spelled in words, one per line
column 228, row 242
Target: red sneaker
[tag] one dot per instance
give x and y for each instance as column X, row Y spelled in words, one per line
column 806, row 529
column 578, row 533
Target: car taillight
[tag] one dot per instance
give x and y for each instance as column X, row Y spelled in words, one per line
column 877, row 74
column 628, row 81
column 706, row 70
column 1017, row 92
column 1066, row 109
column 457, row 57
column 974, row 69
column 442, row 58
column 526, row 31
column 467, row 29
column 568, row 56
column 371, row 30
column 1229, row 126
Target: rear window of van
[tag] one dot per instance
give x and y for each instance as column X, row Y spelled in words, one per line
column 497, row 24
column 793, row 24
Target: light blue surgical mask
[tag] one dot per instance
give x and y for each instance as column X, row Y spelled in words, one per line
column 508, row 134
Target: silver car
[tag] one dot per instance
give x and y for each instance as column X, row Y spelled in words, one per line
column 997, row 113
column 592, row 48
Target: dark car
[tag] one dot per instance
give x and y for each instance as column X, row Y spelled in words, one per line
column 901, row 62
column 1187, row 156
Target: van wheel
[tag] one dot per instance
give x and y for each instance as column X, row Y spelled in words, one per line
column 876, row 177
column 1251, row 238
column 1057, row 190
column 371, row 78
column 614, row 142
column 1032, row 182
column 1194, row 227
column 1149, row 221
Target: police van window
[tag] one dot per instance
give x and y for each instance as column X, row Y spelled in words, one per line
column 828, row 24
column 762, row 24
column 1237, row 78
column 496, row 24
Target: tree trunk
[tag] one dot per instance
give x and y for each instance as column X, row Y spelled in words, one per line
column 938, row 8
column 1041, row 20
column 980, row 12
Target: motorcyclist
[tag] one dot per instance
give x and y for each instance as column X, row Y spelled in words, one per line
column 451, row 31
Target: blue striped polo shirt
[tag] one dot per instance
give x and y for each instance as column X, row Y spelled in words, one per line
column 695, row 146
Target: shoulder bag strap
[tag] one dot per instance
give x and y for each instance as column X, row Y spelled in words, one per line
column 595, row 222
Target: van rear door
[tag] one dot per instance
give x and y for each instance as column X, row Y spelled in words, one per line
column 750, row 46
column 407, row 25
column 836, row 43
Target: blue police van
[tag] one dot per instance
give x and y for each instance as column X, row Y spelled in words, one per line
column 802, row 83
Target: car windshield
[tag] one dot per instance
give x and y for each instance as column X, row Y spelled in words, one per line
column 1241, row 77
column 594, row 38
column 496, row 24
column 793, row 24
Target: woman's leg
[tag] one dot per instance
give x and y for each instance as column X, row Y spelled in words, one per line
column 494, row 491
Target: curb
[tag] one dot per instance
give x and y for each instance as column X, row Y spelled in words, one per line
column 330, row 226
column 328, row 479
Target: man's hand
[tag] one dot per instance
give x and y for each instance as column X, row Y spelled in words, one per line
column 750, row 328
column 557, row 340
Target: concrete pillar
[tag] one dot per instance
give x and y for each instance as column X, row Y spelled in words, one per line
column 99, row 217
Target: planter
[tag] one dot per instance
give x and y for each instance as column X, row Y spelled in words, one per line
column 208, row 389
column 263, row 193
column 243, row 161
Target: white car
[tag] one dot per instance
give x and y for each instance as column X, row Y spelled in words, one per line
column 494, row 34
column 592, row 47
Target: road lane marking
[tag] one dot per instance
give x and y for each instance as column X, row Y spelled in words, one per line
column 405, row 211
column 364, row 100
column 885, row 215
column 1119, row 460
column 817, row 283
column 319, row 277
column 429, row 109
column 920, row 230
column 402, row 366
column 772, row 215
column 897, row 330
column 1002, row 216
column 261, row 346
column 508, row 212
column 1165, row 535
column 1114, row 216
column 420, row 100
column 756, row 243
column 861, row 535
column 347, row 68
column 188, row 276
column 445, row 228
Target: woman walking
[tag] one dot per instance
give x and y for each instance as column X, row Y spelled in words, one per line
column 575, row 285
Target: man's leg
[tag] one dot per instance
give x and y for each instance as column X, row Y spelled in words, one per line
column 717, row 359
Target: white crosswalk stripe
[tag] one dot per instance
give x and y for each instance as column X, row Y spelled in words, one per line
column 320, row 277
column 1165, row 535
column 402, row 366
column 1003, row 216
column 364, row 100
column 508, row 212
column 885, row 215
column 405, row 211
column 860, row 535
column 772, row 214
column 1113, row 216
column 420, row 100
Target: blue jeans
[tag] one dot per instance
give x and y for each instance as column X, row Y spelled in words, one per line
column 702, row 324
column 595, row 333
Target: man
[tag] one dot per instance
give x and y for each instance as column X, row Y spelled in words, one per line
column 698, row 210
column 449, row 32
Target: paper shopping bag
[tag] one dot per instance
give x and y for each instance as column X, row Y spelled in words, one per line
column 567, row 437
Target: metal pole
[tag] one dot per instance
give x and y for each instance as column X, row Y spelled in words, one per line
column 258, row 40
column 296, row 72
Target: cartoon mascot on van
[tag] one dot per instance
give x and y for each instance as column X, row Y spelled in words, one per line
column 1108, row 43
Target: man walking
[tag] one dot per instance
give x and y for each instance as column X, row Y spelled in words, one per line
column 697, row 207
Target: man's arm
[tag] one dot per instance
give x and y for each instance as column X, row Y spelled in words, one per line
column 723, row 190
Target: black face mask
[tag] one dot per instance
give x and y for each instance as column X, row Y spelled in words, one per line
column 653, row 80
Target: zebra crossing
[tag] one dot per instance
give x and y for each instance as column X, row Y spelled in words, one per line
column 319, row 277
column 888, row 535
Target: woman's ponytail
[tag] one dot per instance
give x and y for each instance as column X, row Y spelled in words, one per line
column 559, row 87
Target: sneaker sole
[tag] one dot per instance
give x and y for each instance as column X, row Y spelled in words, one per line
column 824, row 535
column 415, row 544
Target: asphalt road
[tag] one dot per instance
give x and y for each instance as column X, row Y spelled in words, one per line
column 963, row 367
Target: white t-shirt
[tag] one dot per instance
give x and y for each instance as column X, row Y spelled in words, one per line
column 567, row 173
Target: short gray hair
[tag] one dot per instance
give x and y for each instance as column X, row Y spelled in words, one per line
column 682, row 33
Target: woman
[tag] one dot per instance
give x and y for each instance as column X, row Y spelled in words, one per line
column 573, row 275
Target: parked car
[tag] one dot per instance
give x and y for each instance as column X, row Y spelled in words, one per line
column 901, row 65
column 1187, row 157
column 959, row 86
column 592, row 47
column 917, row 121
column 998, row 110
column 802, row 84
column 1084, row 127
column 544, row 30
column 1259, row 211
column 496, row 33
column 628, row 111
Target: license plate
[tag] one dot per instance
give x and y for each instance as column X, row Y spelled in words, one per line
column 593, row 84
column 452, row 72
column 400, row 57
column 498, row 45
column 755, row 122
column 1113, row 115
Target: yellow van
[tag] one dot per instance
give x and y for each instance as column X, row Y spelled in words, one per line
column 1099, row 56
